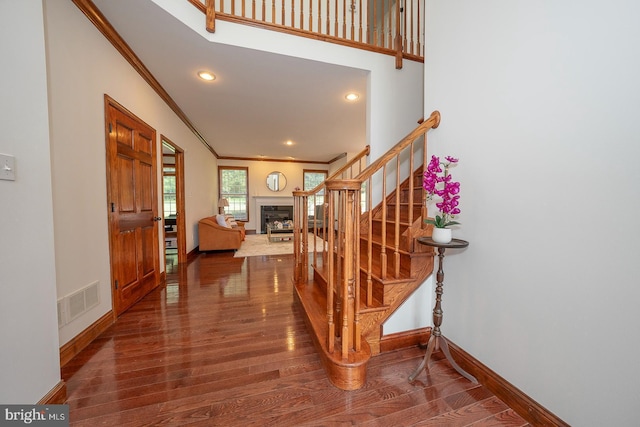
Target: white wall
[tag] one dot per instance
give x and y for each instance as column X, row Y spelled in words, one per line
column 28, row 324
column 83, row 66
column 540, row 101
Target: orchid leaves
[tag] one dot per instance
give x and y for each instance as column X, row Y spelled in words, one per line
column 440, row 222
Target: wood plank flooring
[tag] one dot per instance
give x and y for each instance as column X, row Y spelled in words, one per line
column 224, row 344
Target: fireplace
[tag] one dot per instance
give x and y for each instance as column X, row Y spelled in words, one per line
column 270, row 213
column 272, row 201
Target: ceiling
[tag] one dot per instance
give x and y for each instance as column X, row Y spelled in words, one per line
column 258, row 101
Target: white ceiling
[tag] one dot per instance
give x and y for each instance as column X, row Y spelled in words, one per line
column 258, row 101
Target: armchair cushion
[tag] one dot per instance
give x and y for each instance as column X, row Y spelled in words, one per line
column 230, row 220
column 222, row 221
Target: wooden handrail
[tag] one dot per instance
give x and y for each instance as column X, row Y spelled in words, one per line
column 431, row 123
column 339, row 173
column 211, row 16
column 356, row 159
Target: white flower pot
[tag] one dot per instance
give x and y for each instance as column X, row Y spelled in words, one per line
column 441, row 235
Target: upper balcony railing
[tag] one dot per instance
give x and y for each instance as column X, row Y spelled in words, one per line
column 392, row 27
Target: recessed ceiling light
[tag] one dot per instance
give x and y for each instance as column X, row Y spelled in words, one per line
column 205, row 75
column 352, row 96
column 289, row 142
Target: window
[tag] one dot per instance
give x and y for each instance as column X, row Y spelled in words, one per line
column 313, row 178
column 169, row 184
column 234, row 186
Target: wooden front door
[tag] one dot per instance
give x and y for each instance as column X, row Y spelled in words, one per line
column 132, row 205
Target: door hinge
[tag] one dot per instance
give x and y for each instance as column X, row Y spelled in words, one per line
column 110, row 128
column 116, row 284
column 113, row 207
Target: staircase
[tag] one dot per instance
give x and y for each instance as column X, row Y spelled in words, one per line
column 371, row 263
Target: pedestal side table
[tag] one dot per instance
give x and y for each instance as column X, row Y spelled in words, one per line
column 436, row 339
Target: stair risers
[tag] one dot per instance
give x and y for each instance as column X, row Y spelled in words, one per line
column 390, row 233
column 403, row 258
column 404, row 212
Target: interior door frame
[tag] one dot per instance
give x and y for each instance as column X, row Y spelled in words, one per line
column 180, row 200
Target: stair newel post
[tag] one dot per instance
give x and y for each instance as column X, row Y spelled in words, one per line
column 303, row 231
column 335, row 229
column 345, row 273
column 355, row 267
column 300, row 238
column 398, row 37
column 210, row 16
column 347, row 193
column 330, row 236
column 297, row 272
column 273, row 11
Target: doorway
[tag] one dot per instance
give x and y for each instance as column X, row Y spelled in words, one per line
column 132, row 206
column 173, row 204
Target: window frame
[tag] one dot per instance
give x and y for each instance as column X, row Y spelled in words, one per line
column 221, row 195
column 312, row 201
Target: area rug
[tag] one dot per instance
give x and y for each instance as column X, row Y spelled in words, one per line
column 258, row 245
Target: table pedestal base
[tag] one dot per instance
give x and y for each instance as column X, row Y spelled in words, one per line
column 433, row 343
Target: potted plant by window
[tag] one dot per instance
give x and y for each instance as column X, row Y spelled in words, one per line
column 437, row 181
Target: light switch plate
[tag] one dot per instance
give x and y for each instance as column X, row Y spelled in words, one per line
column 7, row 167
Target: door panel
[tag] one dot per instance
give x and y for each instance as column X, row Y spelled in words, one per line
column 126, row 183
column 133, row 204
column 146, row 179
column 149, row 245
column 126, row 259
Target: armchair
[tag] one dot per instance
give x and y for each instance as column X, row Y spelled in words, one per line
column 212, row 235
column 318, row 218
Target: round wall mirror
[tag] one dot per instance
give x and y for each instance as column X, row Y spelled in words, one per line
column 276, row 181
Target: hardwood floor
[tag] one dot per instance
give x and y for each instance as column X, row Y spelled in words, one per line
column 224, row 344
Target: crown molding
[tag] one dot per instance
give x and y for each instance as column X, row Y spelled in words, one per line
column 103, row 25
